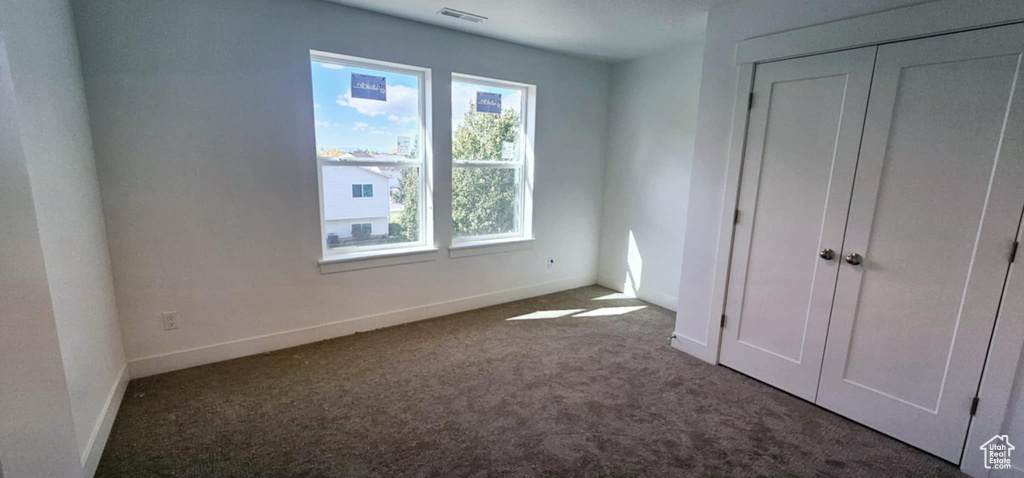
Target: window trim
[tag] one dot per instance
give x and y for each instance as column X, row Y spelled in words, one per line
column 362, row 189
column 425, row 187
column 525, row 164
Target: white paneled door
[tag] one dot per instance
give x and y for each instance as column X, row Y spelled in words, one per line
column 798, row 171
column 937, row 200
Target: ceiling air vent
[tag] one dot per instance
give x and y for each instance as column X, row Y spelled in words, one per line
column 469, row 17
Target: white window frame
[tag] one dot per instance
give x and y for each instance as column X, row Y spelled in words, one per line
column 425, row 242
column 524, row 208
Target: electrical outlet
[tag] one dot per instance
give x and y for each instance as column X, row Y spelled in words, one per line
column 170, row 320
column 551, row 263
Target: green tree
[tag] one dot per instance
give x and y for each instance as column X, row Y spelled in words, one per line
column 406, row 226
column 484, row 199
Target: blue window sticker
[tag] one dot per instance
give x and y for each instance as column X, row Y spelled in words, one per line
column 488, row 102
column 369, row 87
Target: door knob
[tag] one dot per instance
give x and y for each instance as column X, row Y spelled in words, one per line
column 854, row 259
column 827, row 254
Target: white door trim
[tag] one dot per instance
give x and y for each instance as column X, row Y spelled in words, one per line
column 1001, row 369
column 709, row 350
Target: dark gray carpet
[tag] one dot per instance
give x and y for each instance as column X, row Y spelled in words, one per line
column 473, row 394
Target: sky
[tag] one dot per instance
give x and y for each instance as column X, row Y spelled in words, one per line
column 350, row 123
column 347, row 123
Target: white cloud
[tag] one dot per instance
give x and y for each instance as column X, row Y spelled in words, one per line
column 316, row 105
column 360, row 126
column 402, row 101
column 380, row 131
column 332, row 66
column 401, row 120
column 325, row 123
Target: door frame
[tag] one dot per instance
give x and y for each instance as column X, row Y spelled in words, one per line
column 900, row 24
column 998, row 378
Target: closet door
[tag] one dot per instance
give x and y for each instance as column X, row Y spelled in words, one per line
column 938, row 197
column 798, row 167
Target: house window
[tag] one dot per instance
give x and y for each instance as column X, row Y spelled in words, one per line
column 362, row 230
column 369, row 124
column 362, row 190
column 491, row 159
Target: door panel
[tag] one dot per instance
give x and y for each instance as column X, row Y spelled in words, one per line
column 939, row 191
column 801, row 153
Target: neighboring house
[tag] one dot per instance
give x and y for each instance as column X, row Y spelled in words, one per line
column 356, row 202
column 394, row 183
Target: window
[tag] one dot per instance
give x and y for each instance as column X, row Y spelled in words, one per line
column 362, row 190
column 369, row 124
column 491, row 188
column 362, row 230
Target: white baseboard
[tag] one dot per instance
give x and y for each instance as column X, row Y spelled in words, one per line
column 145, row 366
column 692, row 347
column 101, row 431
column 611, row 283
column 661, row 300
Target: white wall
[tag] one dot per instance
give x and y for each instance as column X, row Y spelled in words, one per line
column 338, row 200
column 202, row 119
column 54, row 127
column 37, row 430
column 343, row 227
column 652, row 119
column 729, row 23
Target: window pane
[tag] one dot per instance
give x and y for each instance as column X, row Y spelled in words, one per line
column 365, row 115
column 485, row 201
column 358, row 127
column 373, row 219
column 481, row 135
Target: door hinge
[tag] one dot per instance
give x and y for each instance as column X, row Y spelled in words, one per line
column 736, row 216
column 1013, row 252
column 974, row 406
column 750, row 100
column 722, row 323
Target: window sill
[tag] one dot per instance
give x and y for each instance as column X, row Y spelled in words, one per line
column 371, row 259
column 492, row 246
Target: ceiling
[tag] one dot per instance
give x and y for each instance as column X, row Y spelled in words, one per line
column 606, row 30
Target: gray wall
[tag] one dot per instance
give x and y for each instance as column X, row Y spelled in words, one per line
column 202, row 118
column 653, row 115
column 54, row 128
column 38, row 430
